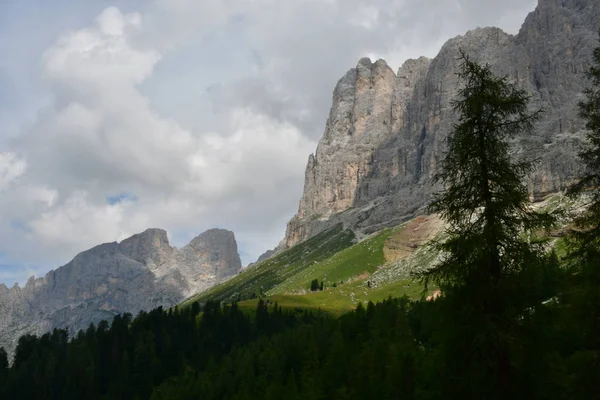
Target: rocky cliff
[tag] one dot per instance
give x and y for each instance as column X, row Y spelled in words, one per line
column 140, row 273
column 385, row 133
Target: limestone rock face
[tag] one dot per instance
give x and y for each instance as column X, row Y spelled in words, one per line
column 386, row 132
column 215, row 252
column 140, row 273
column 359, row 122
column 151, row 246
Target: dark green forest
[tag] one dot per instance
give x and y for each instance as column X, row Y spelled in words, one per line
column 391, row 350
column 515, row 320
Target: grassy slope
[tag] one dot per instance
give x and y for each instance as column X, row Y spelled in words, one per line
column 362, row 258
column 342, row 298
column 331, row 257
column 272, row 272
column 356, row 266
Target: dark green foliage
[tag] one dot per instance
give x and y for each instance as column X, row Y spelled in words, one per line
column 588, row 223
column 3, row 361
column 584, row 240
column 129, row 358
column 3, row 371
column 490, row 260
column 314, row 285
column 390, row 350
column 581, row 295
column 484, row 199
column 227, row 354
column 360, row 355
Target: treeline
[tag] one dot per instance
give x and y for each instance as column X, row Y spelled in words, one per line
column 223, row 353
column 392, row 350
column 128, row 358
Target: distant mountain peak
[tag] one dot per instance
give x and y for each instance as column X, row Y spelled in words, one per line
column 152, row 245
column 140, row 273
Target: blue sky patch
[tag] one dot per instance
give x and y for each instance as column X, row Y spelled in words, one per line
column 119, row 198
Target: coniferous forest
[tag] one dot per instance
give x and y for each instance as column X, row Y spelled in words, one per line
column 515, row 321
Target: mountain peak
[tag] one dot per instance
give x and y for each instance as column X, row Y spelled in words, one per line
column 150, row 245
column 140, row 273
column 386, row 132
column 365, row 61
column 220, row 246
column 211, row 236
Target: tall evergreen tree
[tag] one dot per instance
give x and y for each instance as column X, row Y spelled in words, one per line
column 581, row 299
column 484, row 199
column 587, row 236
column 3, row 368
column 489, row 216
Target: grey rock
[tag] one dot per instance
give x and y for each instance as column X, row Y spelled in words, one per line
column 385, row 134
column 151, row 246
column 266, row 255
column 359, row 121
column 218, row 252
column 140, row 273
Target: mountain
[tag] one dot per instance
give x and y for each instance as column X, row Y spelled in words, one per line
column 140, row 273
column 386, row 131
column 367, row 185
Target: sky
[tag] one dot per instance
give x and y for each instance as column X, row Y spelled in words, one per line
column 118, row 116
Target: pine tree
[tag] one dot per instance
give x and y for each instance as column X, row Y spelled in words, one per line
column 489, row 216
column 3, row 360
column 314, row 285
column 587, row 235
column 484, row 200
column 581, row 299
column 3, row 368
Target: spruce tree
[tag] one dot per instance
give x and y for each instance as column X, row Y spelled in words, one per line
column 581, row 299
column 314, row 285
column 3, row 368
column 587, row 235
column 484, row 199
column 489, row 217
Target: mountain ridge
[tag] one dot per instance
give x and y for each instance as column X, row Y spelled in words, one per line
column 386, row 131
column 141, row 272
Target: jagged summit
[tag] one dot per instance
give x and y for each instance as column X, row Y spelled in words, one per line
column 385, row 132
column 152, row 245
column 140, row 273
column 211, row 236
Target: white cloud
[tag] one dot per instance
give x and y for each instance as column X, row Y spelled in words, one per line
column 11, row 167
column 272, row 71
column 77, row 221
column 102, row 138
column 102, row 53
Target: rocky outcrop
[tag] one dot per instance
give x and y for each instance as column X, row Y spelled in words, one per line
column 265, row 256
column 214, row 252
column 358, row 123
column 140, row 273
column 386, row 132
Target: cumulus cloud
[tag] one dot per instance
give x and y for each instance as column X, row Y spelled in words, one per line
column 11, row 167
column 108, row 157
column 304, row 47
